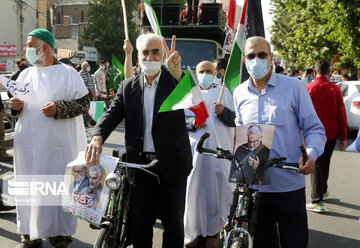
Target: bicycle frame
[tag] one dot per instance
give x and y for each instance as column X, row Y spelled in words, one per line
column 115, row 211
column 245, row 201
column 113, row 226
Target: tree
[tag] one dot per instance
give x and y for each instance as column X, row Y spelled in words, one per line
column 106, row 26
column 306, row 30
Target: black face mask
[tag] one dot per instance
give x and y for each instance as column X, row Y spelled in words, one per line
column 23, row 67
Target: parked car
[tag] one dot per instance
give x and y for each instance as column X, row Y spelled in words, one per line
column 351, row 97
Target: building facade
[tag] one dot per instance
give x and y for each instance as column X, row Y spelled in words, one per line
column 9, row 33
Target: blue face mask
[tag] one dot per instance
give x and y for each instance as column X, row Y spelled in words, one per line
column 217, row 81
column 31, row 55
column 205, row 80
column 257, row 68
column 311, row 79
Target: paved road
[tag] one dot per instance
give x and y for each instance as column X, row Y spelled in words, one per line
column 338, row 227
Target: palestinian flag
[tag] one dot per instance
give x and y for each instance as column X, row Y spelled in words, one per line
column 232, row 73
column 96, row 109
column 150, row 13
column 251, row 21
column 187, row 95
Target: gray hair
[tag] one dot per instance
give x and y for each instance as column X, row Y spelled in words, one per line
column 83, row 64
column 41, row 60
column 152, row 36
column 255, row 129
column 97, row 168
column 258, row 39
column 51, row 49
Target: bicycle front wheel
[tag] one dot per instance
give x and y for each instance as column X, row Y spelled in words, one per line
column 101, row 240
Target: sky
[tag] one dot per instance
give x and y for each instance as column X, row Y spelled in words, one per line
column 265, row 4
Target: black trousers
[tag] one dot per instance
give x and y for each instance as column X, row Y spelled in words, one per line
column 147, row 198
column 282, row 217
column 192, row 13
column 321, row 174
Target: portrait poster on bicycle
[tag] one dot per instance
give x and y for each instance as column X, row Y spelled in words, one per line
column 88, row 194
column 252, row 148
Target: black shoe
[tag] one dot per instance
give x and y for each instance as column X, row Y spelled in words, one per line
column 6, row 158
column 6, row 208
column 30, row 245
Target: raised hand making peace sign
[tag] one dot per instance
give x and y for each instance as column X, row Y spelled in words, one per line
column 173, row 59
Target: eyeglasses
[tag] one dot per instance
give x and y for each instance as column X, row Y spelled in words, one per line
column 260, row 55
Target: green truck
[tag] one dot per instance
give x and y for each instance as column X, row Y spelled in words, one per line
column 194, row 42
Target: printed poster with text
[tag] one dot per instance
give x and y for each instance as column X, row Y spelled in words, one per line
column 88, row 193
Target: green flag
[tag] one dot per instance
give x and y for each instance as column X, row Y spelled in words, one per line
column 117, row 73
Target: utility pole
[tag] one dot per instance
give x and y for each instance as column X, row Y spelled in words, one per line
column 19, row 29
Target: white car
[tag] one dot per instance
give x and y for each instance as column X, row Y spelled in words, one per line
column 351, row 97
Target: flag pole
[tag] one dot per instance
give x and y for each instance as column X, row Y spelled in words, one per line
column 222, row 91
column 202, row 98
column 125, row 20
column 242, row 48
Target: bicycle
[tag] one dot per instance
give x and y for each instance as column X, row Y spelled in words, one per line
column 240, row 227
column 114, row 221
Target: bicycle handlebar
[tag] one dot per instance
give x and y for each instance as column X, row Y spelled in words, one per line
column 226, row 154
column 137, row 166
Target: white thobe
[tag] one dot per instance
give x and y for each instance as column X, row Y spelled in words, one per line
column 208, row 191
column 44, row 146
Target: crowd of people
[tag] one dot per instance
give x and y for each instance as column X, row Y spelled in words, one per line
column 194, row 192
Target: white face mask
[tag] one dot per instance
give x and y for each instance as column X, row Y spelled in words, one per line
column 205, row 80
column 150, row 68
column 88, row 69
column 102, row 67
column 31, row 55
column 217, row 81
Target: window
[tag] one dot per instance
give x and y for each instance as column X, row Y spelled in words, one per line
column 344, row 89
column 82, row 16
column 194, row 51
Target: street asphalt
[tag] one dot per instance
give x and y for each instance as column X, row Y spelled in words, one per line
column 338, row 227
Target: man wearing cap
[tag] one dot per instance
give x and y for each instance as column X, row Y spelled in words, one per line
column 48, row 135
column 67, row 62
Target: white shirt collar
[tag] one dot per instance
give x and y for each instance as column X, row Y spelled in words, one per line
column 154, row 82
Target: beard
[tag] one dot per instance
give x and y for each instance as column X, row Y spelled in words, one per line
column 78, row 179
column 92, row 186
column 254, row 147
column 41, row 60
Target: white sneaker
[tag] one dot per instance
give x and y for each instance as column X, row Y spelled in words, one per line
column 316, row 207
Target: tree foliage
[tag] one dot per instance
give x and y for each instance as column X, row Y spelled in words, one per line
column 106, row 26
column 306, row 30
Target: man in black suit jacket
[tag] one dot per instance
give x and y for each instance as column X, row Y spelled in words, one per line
column 149, row 135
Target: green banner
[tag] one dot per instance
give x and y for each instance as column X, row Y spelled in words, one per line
column 117, row 73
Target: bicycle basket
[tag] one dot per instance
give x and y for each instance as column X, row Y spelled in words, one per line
column 238, row 238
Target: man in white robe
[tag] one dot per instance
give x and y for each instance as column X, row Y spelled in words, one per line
column 48, row 135
column 208, row 192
